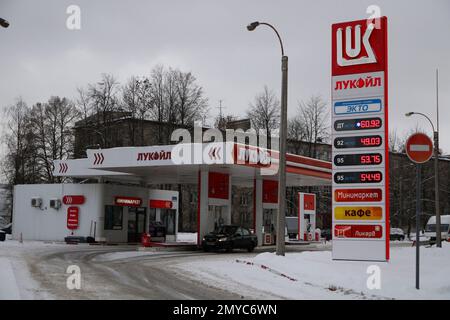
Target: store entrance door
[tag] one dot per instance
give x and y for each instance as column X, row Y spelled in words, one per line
column 136, row 223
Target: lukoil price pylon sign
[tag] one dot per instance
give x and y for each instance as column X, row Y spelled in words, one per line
column 359, row 140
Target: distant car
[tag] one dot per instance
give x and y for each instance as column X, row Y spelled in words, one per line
column 397, row 234
column 230, row 237
column 7, row 229
column 430, row 228
column 326, row 234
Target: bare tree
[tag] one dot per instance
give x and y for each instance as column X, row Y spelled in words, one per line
column 135, row 102
column 396, row 142
column 296, row 133
column 157, row 93
column 192, row 104
column 83, row 103
column 264, row 112
column 103, row 97
column 51, row 125
column 221, row 122
column 18, row 144
column 314, row 115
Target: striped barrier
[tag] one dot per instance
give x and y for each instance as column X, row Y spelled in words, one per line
column 264, row 267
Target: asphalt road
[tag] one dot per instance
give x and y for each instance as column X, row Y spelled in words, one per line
column 142, row 277
column 105, row 274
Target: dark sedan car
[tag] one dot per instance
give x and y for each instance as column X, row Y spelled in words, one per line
column 326, row 234
column 229, row 238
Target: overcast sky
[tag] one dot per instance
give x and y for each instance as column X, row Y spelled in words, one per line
column 40, row 57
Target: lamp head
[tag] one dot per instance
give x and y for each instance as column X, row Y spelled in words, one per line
column 252, row 26
column 409, row 114
column 4, row 23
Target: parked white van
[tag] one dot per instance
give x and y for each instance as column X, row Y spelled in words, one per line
column 430, row 228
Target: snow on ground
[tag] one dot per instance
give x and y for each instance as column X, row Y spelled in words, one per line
column 8, row 288
column 15, row 279
column 318, row 277
column 122, row 255
column 187, row 237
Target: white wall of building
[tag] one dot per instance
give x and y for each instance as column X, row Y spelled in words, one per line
column 46, row 223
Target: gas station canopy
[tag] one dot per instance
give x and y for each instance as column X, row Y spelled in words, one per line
column 181, row 163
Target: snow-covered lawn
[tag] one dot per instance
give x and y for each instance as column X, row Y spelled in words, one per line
column 315, row 276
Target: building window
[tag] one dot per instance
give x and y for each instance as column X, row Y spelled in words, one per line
column 193, row 197
column 243, row 200
column 113, row 217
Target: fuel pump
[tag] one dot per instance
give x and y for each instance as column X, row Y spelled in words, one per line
column 269, row 226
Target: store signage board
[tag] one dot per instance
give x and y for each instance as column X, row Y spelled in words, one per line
column 359, row 140
column 161, row 204
column 270, row 191
column 127, row 201
column 72, row 218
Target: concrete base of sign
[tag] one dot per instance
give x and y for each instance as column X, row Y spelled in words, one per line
column 357, row 250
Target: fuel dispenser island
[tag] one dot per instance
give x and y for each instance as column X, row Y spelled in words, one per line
column 163, row 215
column 307, row 217
column 270, row 211
column 219, row 200
column 269, row 226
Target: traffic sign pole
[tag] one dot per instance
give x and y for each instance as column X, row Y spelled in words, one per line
column 418, row 209
column 419, row 149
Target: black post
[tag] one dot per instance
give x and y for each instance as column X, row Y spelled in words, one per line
column 418, row 209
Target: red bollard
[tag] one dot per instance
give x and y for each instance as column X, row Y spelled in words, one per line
column 146, row 240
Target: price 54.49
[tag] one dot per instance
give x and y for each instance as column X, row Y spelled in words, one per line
column 358, row 177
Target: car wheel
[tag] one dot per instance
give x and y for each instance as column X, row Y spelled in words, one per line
column 229, row 248
column 206, row 249
column 251, row 248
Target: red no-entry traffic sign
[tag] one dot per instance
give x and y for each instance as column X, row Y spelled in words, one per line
column 419, row 148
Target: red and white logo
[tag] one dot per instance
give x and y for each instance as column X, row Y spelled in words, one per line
column 354, row 51
column 78, row 199
column 358, row 46
column 99, row 158
column 215, row 153
column 63, row 167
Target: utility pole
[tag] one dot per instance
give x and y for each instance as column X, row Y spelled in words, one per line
column 400, row 211
column 436, row 167
column 221, row 123
column 220, row 109
column 281, row 217
column 281, row 221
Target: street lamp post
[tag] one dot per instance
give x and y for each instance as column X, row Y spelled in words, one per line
column 436, row 177
column 281, row 217
column 4, row 23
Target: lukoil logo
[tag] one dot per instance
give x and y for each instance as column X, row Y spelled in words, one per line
column 359, row 46
column 354, row 52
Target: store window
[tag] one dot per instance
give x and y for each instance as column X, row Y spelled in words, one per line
column 113, row 217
